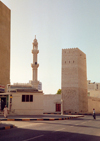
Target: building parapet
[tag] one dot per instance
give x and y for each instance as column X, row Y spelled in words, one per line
column 22, row 84
column 70, row 50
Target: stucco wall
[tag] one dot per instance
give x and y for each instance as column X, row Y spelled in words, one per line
column 93, row 102
column 30, row 108
column 74, row 81
column 94, row 93
column 49, row 103
column 93, row 86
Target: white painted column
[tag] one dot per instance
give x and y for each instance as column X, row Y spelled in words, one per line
column 9, row 101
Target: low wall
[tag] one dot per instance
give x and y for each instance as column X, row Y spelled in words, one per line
column 50, row 101
column 93, row 103
column 28, row 112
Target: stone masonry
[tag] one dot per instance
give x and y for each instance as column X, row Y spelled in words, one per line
column 4, row 44
column 74, row 81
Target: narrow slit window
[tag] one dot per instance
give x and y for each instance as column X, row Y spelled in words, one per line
column 97, row 86
column 23, row 98
column 27, row 98
column 31, row 98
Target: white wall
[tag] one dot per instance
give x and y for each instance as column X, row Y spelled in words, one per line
column 30, row 108
column 49, row 103
column 94, row 93
column 93, row 103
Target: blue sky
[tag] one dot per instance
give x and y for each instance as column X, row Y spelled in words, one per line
column 57, row 24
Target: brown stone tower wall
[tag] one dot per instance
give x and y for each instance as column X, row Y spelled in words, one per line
column 82, row 77
column 4, row 45
column 74, row 81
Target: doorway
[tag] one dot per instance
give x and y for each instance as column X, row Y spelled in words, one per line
column 3, row 103
column 58, row 107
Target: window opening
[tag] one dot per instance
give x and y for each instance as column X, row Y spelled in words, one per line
column 97, row 86
column 31, row 98
column 23, row 98
column 27, row 98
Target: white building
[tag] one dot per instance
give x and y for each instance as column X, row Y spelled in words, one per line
column 93, row 89
column 40, row 86
column 26, row 98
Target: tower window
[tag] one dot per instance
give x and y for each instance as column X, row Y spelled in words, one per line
column 73, row 61
column 69, row 61
column 35, row 63
column 97, row 86
column 65, row 62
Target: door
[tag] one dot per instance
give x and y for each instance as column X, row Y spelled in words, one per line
column 58, row 107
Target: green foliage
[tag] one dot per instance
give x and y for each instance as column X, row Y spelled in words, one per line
column 59, row 91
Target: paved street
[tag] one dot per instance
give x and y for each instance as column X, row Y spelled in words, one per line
column 78, row 129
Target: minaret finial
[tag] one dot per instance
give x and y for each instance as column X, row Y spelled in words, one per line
column 35, row 36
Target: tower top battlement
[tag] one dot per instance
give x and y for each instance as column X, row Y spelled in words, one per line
column 73, row 50
column 70, row 48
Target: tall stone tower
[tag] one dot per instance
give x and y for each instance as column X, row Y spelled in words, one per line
column 4, row 45
column 35, row 65
column 74, row 81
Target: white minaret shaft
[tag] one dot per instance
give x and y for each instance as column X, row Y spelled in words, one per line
column 35, row 65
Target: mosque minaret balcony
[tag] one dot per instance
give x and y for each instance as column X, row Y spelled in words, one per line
column 35, row 51
column 35, row 65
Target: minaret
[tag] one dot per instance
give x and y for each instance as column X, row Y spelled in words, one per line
column 35, row 65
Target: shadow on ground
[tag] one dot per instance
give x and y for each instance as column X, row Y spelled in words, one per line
column 19, row 134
